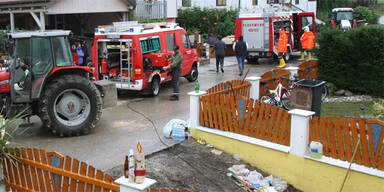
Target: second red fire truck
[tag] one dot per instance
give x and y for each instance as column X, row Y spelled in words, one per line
column 260, row 29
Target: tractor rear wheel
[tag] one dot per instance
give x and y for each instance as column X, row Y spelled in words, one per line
column 71, row 105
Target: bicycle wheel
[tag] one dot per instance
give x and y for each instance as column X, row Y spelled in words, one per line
column 324, row 93
column 267, row 99
column 286, row 101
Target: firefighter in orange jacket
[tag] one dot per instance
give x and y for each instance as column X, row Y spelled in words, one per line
column 307, row 42
column 282, row 46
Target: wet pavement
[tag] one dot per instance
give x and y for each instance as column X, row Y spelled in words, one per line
column 121, row 127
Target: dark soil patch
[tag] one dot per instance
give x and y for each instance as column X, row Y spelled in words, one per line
column 191, row 166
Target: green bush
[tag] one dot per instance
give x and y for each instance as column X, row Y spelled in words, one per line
column 354, row 59
column 3, row 40
column 218, row 21
column 364, row 13
column 378, row 108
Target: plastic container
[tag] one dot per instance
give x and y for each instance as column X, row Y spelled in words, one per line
column 131, row 166
column 178, row 133
column 316, row 150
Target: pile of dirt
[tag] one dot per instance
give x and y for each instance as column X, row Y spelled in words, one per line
column 192, row 166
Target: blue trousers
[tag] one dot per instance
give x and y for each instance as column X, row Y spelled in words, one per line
column 240, row 61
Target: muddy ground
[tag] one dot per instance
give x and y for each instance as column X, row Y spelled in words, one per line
column 191, row 166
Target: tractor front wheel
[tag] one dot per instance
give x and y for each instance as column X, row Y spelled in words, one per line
column 71, row 105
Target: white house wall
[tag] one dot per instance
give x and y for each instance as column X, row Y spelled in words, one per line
column 171, row 8
column 87, row 6
column 247, row 4
column 210, row 4
column 308, row 6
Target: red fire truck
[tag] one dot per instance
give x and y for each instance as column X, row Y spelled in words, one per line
column 260, row 29
column 132, row 55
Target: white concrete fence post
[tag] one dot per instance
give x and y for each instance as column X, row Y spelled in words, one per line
column 292, row 72
column 299, row 131
column 194, row 112
column 255, row 87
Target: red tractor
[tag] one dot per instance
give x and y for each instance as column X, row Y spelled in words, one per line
column 43, row 79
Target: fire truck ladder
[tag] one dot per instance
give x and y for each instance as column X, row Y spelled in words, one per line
column 125, row 62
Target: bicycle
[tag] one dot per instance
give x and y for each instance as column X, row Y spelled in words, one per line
column 281, row 96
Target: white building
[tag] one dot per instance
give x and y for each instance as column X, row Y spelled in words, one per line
column 306, row 5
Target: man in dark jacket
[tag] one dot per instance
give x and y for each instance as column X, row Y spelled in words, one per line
column 175, row 67
column 219, row 48
column 240, row 48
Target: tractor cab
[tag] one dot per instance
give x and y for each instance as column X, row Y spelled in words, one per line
column 343, row 18
column 36, row 54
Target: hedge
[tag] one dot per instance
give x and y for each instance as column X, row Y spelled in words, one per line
column 217, row 21
column 353, row 60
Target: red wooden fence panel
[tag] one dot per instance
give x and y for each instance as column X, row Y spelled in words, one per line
column 339, row 137
column 36, row 170
column 254, row 119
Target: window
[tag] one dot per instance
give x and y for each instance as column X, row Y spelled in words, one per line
column 170, row 41
column 23, row 51
column 186, row 3
column 62, row 52
column 254, row 2
column 151, row 44
column 186, row 42
column 344, row 15
column 221, row 2
column 41, row 56
column 307, row 21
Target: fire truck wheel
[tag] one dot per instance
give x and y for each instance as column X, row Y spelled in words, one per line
column 192, row 76
column 155, row 86
column 70, row 105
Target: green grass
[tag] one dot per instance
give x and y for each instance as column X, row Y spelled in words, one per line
column 347, row 109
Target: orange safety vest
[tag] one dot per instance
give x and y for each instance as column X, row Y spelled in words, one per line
column 283, row 41
column 307, row 40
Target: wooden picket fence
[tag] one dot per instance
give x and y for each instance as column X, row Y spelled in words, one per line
column 245, row 116
column 269, row 80
column 339, row 137
column 308, row 70
column 36, row 170
column 233, row 87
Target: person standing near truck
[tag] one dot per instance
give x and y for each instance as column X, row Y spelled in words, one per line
column 240, row 48
column 80, row 54
column 175, row 68
column 219, row 48
column 307, row 42
column 282, row 46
